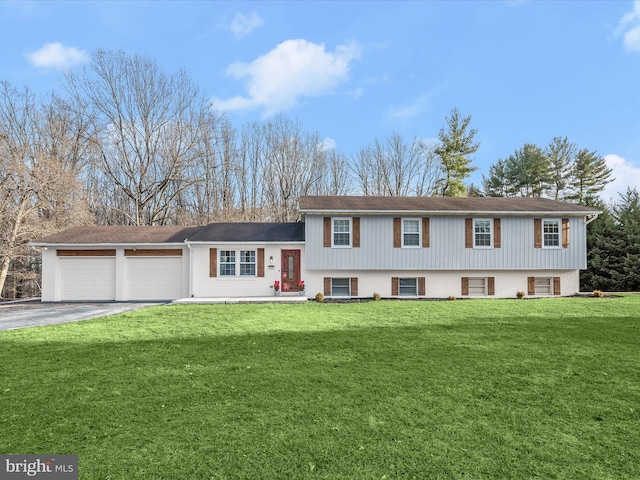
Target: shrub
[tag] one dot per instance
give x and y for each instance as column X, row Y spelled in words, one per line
column 520, row 295
column 598, row 293
column 319, row 297
column 377, row 296
column 452, row 297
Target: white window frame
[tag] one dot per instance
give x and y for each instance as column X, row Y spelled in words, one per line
column 418, row 221
column 475, row 238
column 478, row 286
column 400, row 287
column 253, row 262
column 558, row 222
column 333, row 232
column 543, row 285
column 224, row 254
column 348, row 281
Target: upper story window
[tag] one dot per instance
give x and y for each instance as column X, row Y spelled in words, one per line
column 411, row 232
column 551, row 233
column 341, row 232
column 482, row 233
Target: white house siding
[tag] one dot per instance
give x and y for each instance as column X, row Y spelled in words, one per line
column 442, row 284
column 447, row 247
column 205, row 286
column 56, row 288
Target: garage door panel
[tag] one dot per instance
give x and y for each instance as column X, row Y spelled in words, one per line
column 154, row 278
column 87, row 279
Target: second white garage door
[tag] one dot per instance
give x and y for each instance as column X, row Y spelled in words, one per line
column 154, row 278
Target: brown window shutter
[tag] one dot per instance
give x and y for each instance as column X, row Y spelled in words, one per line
column 327, row 232
column 327, row 286
column 465, row 286
column 261, row 262
column 213, row 262
column 421, row 286
column 397, row 233
column 425, row 233
column 497, row 238
column 468, row 233
column 355, row 222
column 565, row 233
column 537, row 233
column 556, row 285
column 395, row 286
column 354, row 287
column 531, row 285
column 491, row 286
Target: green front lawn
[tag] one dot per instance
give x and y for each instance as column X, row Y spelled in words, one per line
column 546, row 388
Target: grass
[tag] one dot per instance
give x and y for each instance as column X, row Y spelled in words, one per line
column 546, row 388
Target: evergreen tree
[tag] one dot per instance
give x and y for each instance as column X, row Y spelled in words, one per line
column 589, row 176
column 455, row 150
column 495, row 184
column 560, row 154
column 528, row 172
column 627, row 214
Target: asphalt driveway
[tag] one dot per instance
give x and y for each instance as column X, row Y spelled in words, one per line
column 35, row 313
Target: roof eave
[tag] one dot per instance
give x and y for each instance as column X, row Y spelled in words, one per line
column 510, row 213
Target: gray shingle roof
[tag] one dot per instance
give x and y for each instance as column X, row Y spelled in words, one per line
column 310, row 204
column 214, row 232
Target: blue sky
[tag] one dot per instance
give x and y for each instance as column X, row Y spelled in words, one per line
column 526, row 71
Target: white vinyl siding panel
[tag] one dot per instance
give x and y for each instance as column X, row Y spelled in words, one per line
column 447, row 248
column 153, row 278
column 83, row 278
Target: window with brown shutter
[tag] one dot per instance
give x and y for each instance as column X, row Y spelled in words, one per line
column 326, row 233
column 421, row 286
column 327, row 286
column 465, row 286
column 355, row 222
column 395, row 286
column 531, row 285
column 397, row 233
column 537, row 233
column 491, row 286
column 565, row 233
column 425, row 233
column 261, row 262
column 468, row 233
column 497, row 239
column 213, row 262
column 354, row 287
column 556, row 285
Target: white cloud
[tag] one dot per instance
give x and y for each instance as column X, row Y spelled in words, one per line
column 410, row 110
column 242, row 24
column 56, row 55
column 328, row 144
column 626, row 174
column 629, row 28
column 295, row 68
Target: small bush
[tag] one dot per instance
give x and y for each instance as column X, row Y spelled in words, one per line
column 377, row 296
column 520, row 295
column 598, row 293
column 452, row 297
column 319, row 297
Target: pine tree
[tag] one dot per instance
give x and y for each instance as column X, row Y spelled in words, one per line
column 455, row 150
column 560, row 154
column 589, row 176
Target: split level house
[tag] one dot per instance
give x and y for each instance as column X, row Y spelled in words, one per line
column 346, row 246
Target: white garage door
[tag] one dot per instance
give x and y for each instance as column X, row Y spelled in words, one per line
column 87, row 278
column 154, row 278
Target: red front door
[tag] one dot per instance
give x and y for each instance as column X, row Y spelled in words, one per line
column 290, row 270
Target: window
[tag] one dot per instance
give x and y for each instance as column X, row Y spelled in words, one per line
column 542, row 286
column 227, row 263
column 340, row 287
column 411, row 233
column 477, row 286
column 482, row 233
column 341, row 232
column 551, row 233
column 408, row 287
column 247, row 263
